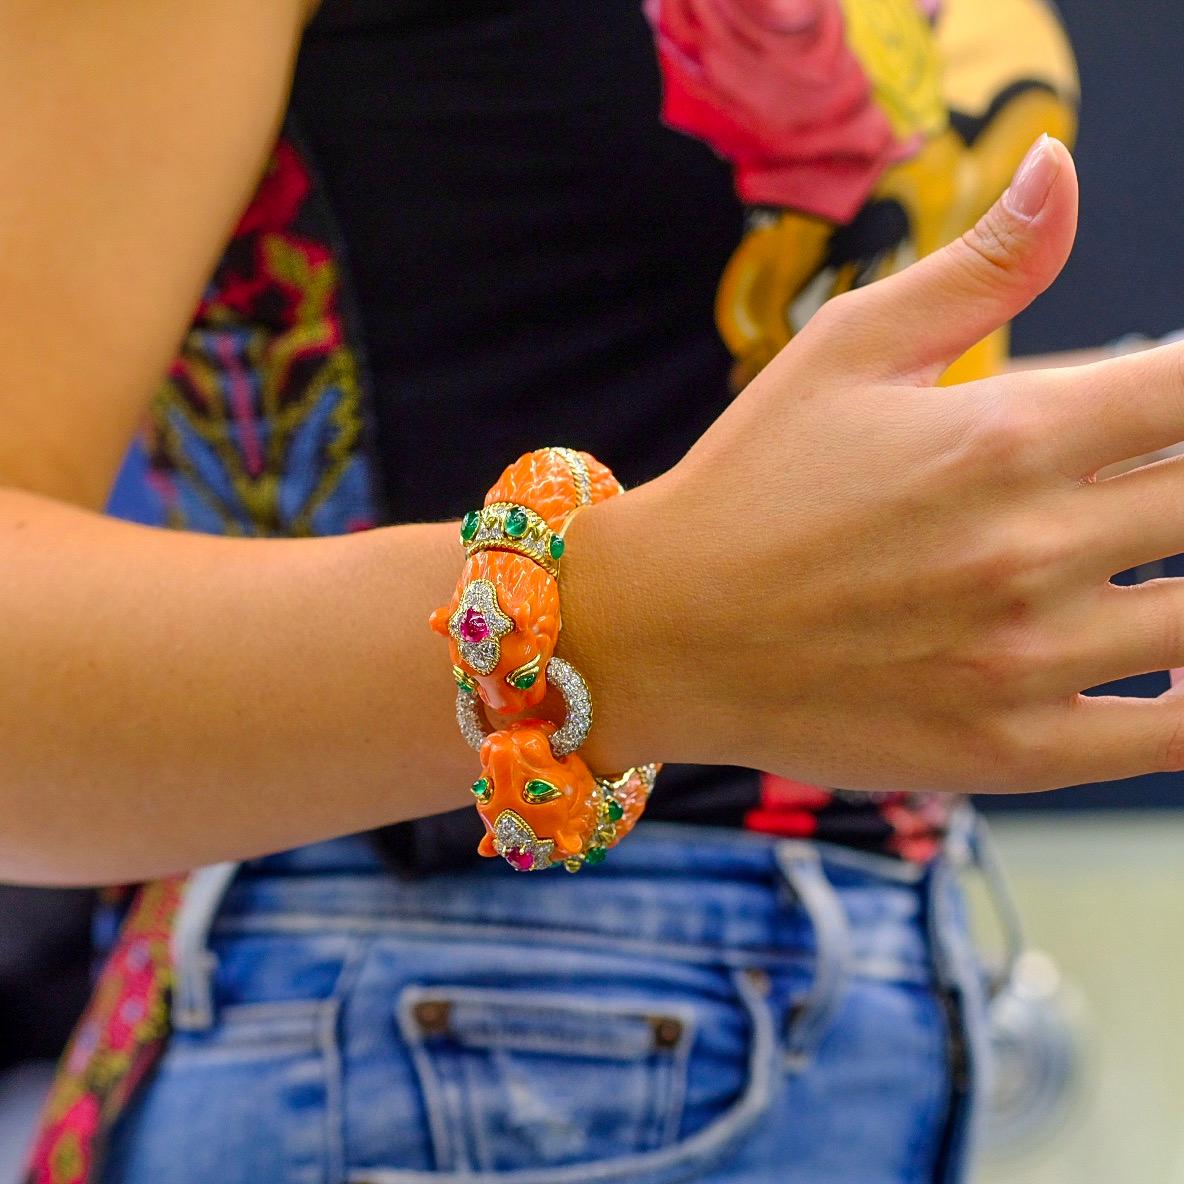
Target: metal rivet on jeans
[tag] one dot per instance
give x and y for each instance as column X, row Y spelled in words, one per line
column 667, row 1031
column 432, row 1016
column 760, row 981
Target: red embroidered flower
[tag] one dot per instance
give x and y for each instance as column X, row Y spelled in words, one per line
column 281, row 193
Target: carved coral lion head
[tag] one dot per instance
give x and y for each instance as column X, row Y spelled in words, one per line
column 502, row 624
column 537, row 808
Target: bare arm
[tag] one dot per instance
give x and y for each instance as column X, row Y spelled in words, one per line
column 134, row 132
column 172, row 699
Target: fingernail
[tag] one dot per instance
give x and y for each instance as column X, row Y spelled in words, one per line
column 1032, row 183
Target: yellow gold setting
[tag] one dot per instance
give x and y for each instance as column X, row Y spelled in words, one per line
column 526, row 675
column 495, row 532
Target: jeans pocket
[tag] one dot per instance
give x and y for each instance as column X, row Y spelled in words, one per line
column 537, row 1087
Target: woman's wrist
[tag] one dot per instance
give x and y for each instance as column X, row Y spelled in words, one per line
column 614, row 621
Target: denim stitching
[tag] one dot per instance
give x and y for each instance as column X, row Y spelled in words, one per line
column 331, row 1059
column 666, row 1070
column 678, row 1066
column 909, row 971
column 435, row 1103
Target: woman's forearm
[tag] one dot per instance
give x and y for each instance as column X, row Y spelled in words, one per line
column 173, row 699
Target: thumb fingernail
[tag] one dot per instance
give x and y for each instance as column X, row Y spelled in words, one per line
column 1032, row 183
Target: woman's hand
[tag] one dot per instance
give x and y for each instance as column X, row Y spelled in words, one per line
column 862, row 580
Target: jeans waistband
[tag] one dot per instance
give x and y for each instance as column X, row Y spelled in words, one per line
column 686, row 891
column 653, row 847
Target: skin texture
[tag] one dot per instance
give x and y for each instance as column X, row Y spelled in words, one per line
column 853, row 577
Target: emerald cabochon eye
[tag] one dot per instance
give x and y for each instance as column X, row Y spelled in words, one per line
column 526, row 675
column 540, row 791
column 482, row 790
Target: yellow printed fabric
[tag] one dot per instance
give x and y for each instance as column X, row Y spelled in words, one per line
column 980, row 89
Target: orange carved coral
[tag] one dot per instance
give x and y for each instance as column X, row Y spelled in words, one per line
column 520, row 755
column 545, row 483
column 502, row 624
column 539, row 809
column 529, row 596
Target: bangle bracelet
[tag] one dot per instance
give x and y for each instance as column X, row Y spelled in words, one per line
column 538, row 800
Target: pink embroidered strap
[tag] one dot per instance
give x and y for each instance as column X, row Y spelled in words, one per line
column 116, row 1044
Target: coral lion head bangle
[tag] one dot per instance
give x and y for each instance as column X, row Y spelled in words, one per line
column 539, row 802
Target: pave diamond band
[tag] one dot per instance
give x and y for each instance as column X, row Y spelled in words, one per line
column 578, row 702
column 468, row 719
column 579, row 472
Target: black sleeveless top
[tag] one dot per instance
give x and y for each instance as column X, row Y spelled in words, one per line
column 534, row 257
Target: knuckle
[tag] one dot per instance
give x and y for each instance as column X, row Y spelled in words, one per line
column 1013, row 664
column 1013, row 564
column 994, row 568
column 996, row 243
column 1023, row 756
column 1009, row 440
column 990, row 668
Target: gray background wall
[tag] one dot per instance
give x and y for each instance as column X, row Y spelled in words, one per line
column 1125, row 273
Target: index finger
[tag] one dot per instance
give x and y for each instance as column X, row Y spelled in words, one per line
column 1098, row 414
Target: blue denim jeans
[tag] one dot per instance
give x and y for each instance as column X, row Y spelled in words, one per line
column 708, row 1005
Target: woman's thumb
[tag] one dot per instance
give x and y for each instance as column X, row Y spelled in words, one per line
column 920, row 320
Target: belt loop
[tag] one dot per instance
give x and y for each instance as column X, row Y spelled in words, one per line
column 193, row 964
column 801, row 866
column 1011, row 925
column 961, row 986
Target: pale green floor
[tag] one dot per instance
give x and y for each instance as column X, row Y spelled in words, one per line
column 1104, row 894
